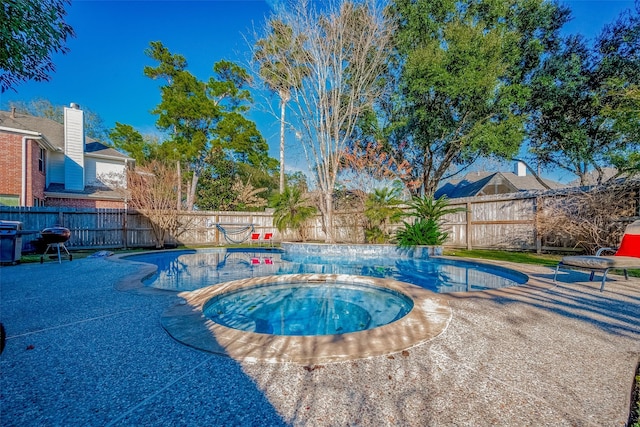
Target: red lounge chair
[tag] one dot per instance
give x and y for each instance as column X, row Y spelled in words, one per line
column 255, row 237
column 626, row 256
column 268, row 238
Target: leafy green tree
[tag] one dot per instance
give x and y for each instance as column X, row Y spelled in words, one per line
column 126, row 138
column 30, row 32
column 215, row 189
column 619, row 48
column 464, row 67
column 627, row 116
column 292, row 210
column 583, row 118
column 205, row 119
column 567, row 129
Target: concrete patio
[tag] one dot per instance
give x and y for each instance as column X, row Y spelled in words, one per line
column 80, row 352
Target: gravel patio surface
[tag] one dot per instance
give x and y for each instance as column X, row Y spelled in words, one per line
column 80, row 352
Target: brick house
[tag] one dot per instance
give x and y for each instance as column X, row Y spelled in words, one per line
column 45, row 163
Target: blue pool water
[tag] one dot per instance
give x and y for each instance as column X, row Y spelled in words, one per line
column 307, row 309
column 189, row 269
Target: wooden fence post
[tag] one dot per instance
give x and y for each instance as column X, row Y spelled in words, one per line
column 125, row 235
column 536, row 235
column 469, row 227
column 217, row 230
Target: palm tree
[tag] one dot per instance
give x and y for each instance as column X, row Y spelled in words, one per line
column 292, row 210
column 274, row 55
column 432, row 208
column 427, row 227
column 382, row 208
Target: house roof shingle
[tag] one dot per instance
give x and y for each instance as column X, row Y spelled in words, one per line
column 473, row 183
column 53, row 132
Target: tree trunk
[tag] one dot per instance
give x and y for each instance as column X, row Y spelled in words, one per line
column 179, row 171
column 191, row 197
column 282, row 111
column 158, row 234
column 328, row 218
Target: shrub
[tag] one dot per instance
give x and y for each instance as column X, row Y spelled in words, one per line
column 421, row 232
column 427, row 229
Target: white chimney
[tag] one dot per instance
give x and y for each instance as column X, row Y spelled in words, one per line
column 520, row 169
column 73, row 148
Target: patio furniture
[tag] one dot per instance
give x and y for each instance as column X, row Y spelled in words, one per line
column 626, row 256
column 255, row 237
column 268, row 237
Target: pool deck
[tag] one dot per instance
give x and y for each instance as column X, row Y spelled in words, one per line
column 81, row 352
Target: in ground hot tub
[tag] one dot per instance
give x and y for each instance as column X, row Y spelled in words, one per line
column 382, row 315
column 308, row 308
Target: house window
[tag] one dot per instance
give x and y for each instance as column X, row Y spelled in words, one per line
column 41, row 160
column 9, row 200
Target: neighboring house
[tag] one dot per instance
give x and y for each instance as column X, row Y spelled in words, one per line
column 45, row 163
column 591, row 177
column 486, row 183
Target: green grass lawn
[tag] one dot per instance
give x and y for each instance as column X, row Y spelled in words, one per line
column 497, row 255
column 53, row 256
column 549, row 260
column 79, row 254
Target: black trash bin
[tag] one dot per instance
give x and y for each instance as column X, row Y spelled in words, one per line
column 10, row 241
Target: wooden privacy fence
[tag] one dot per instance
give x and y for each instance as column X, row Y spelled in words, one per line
column 505, row 221
column 119, row 228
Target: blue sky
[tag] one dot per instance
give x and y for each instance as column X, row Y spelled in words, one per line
column 103, row 70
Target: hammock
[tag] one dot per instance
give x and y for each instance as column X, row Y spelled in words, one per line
column 233, row 232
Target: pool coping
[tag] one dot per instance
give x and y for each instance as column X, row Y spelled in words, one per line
column 186, row 323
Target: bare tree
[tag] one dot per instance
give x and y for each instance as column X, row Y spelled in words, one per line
column 344, row 48
column 274, row 55
column 591, row 218
column 368, row 167
column 152, row 191
column 247, row 197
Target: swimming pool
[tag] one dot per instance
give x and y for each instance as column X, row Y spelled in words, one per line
column 187, row 270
